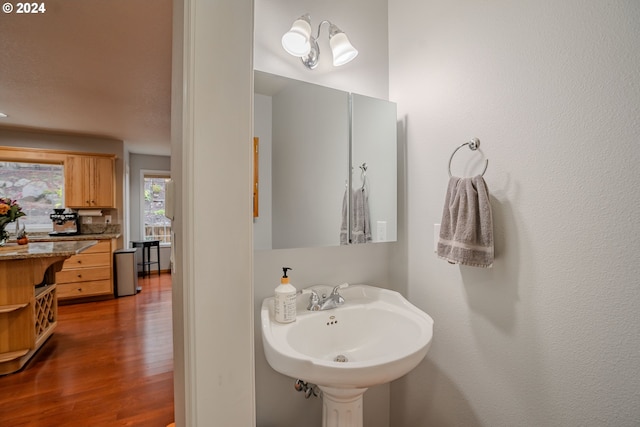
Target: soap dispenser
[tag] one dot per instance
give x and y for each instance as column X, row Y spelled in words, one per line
column 285, row 301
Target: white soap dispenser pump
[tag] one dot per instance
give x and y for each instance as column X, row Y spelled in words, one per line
column 285, row 301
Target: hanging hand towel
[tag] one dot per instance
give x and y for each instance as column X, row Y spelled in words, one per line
column 344, row 226
column 466, row 231
column 360, row 227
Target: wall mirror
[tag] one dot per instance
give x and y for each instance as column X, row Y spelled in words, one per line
column 316, row 142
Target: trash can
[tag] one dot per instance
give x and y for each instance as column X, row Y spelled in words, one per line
column 126, row 272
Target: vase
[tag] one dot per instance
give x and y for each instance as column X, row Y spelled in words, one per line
column 4, row 235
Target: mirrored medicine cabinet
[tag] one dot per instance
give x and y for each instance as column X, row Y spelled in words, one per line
column 314, row 143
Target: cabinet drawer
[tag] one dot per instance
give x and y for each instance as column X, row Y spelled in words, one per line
column 82, row 274
column 101, row 246
column 87, row 260
column 84, row 289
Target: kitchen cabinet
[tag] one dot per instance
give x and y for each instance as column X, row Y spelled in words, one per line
column 89, row 274
column 28, row 305
column 89, row 181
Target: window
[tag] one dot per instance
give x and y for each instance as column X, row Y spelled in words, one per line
column 156, row 225
column 38, row 188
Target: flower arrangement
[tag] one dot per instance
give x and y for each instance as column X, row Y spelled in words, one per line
column 10, row 211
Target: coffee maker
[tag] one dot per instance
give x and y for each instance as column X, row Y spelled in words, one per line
column 64, row 223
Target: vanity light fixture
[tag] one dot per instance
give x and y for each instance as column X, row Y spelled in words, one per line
column 299, row 42
column 3, row 116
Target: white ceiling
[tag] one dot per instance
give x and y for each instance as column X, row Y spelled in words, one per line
column 99, row 67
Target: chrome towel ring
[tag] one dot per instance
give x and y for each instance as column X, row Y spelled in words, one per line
column 473, row 146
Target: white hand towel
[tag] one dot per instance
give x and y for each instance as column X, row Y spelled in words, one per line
column 466, row 230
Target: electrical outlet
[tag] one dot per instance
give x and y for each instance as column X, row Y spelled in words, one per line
column 382, row 231
column 107, row 219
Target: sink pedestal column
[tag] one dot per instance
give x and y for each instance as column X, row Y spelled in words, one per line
column 342, row 407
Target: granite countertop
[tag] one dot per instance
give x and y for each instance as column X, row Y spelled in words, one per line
column 45, row 237
column 46, row 249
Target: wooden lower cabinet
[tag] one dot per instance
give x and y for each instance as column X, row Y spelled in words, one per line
column 88, row 274
column 28, row 314
column 25, row 327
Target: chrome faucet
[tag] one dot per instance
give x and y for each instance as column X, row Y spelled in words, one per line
column 316, row 303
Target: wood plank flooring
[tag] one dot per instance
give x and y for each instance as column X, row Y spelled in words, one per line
column 108, row 363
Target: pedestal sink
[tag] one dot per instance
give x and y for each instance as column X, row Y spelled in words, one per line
column 375, row 337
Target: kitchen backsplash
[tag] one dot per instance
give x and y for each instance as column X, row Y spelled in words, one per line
column 100, row 228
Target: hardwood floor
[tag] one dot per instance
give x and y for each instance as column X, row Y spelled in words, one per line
column 108, row 363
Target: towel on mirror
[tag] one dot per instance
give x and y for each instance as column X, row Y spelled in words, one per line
column 466, row 230
column 344, row 226
column 360, row 225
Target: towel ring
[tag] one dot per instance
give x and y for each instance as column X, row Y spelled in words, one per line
column 473, row 146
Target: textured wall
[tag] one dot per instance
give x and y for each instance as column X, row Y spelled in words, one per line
column 549, row 336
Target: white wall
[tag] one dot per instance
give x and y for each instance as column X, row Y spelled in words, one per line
column 211, row 162
column 549, row 336
column 183, row 406
column 277, row 403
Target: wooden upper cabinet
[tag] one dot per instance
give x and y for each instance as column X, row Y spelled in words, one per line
column 89, row 182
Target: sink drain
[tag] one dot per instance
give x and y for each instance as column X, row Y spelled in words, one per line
column 341, row 358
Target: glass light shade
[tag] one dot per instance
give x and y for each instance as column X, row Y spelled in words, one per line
column 343, row 50
column 296, row 40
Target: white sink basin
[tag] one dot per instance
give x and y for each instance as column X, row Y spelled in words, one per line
column 375, row 337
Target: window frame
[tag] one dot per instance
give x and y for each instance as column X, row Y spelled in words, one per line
column 35, row 155
column 150, row 173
